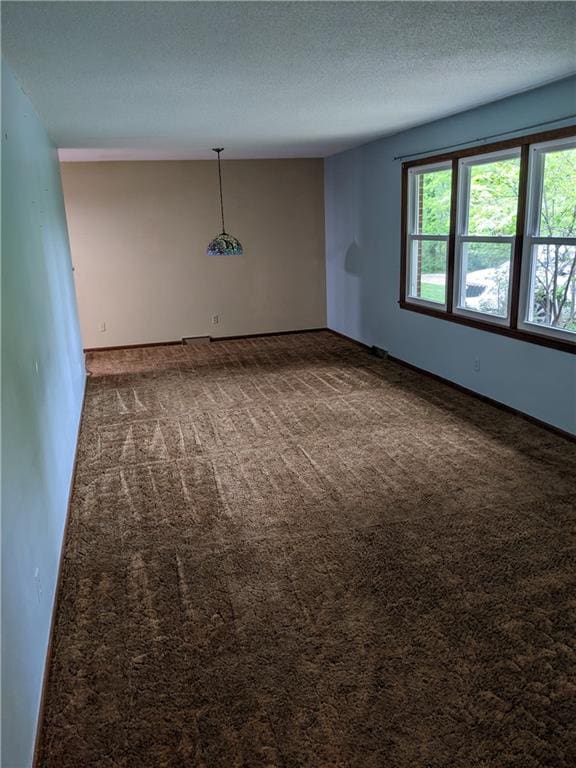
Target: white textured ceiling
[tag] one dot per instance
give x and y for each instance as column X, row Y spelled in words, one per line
column 281, row 79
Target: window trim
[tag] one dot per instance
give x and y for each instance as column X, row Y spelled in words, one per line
column 513, row 326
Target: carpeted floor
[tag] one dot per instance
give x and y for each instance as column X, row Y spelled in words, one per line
column 284, row 552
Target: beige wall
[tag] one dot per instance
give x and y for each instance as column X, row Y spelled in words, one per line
column 139, row 231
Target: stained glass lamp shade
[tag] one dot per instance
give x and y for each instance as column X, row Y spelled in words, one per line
column 223, row 244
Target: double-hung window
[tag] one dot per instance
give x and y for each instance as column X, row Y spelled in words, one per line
column 486, row 233
column 489, row 238
column 428, row 232
column 549, row 256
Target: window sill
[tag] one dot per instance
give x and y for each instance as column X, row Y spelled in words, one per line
column 490, row 327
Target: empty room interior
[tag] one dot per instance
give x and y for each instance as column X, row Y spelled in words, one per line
column 288, row 384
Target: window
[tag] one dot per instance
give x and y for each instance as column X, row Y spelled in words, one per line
column 429, row 230
column 490, row 238
column 549, row 258
column 487, row 212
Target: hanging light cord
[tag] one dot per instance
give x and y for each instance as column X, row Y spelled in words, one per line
column 218, row 150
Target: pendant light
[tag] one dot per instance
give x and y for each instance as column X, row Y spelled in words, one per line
column 223, row 244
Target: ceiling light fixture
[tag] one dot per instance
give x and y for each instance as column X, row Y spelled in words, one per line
column 223, row 244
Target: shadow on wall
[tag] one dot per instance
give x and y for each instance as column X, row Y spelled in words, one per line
column 369, row 268
column 354, row 259
column 356, row 265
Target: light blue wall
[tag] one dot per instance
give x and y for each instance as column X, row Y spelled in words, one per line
column 42, row 387
column 362, row 199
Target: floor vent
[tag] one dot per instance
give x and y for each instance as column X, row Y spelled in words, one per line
column 196, row 340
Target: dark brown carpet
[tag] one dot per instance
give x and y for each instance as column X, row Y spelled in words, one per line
column 284, row 552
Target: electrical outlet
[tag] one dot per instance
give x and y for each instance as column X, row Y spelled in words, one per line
column 215, row 319
column 102, row 327
column 476, row 364
column 38, row 584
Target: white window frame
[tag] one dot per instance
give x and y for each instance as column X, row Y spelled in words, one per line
column 532, row 237
column 412, row 236
column 461, row 236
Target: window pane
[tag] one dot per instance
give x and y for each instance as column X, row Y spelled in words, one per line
column 432, row 202
column 493, row 199
column 558, row 208
column 428, row 270
column 552, row 300
column 485, row 277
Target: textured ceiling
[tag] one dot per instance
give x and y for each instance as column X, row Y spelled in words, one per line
column 173, row 79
